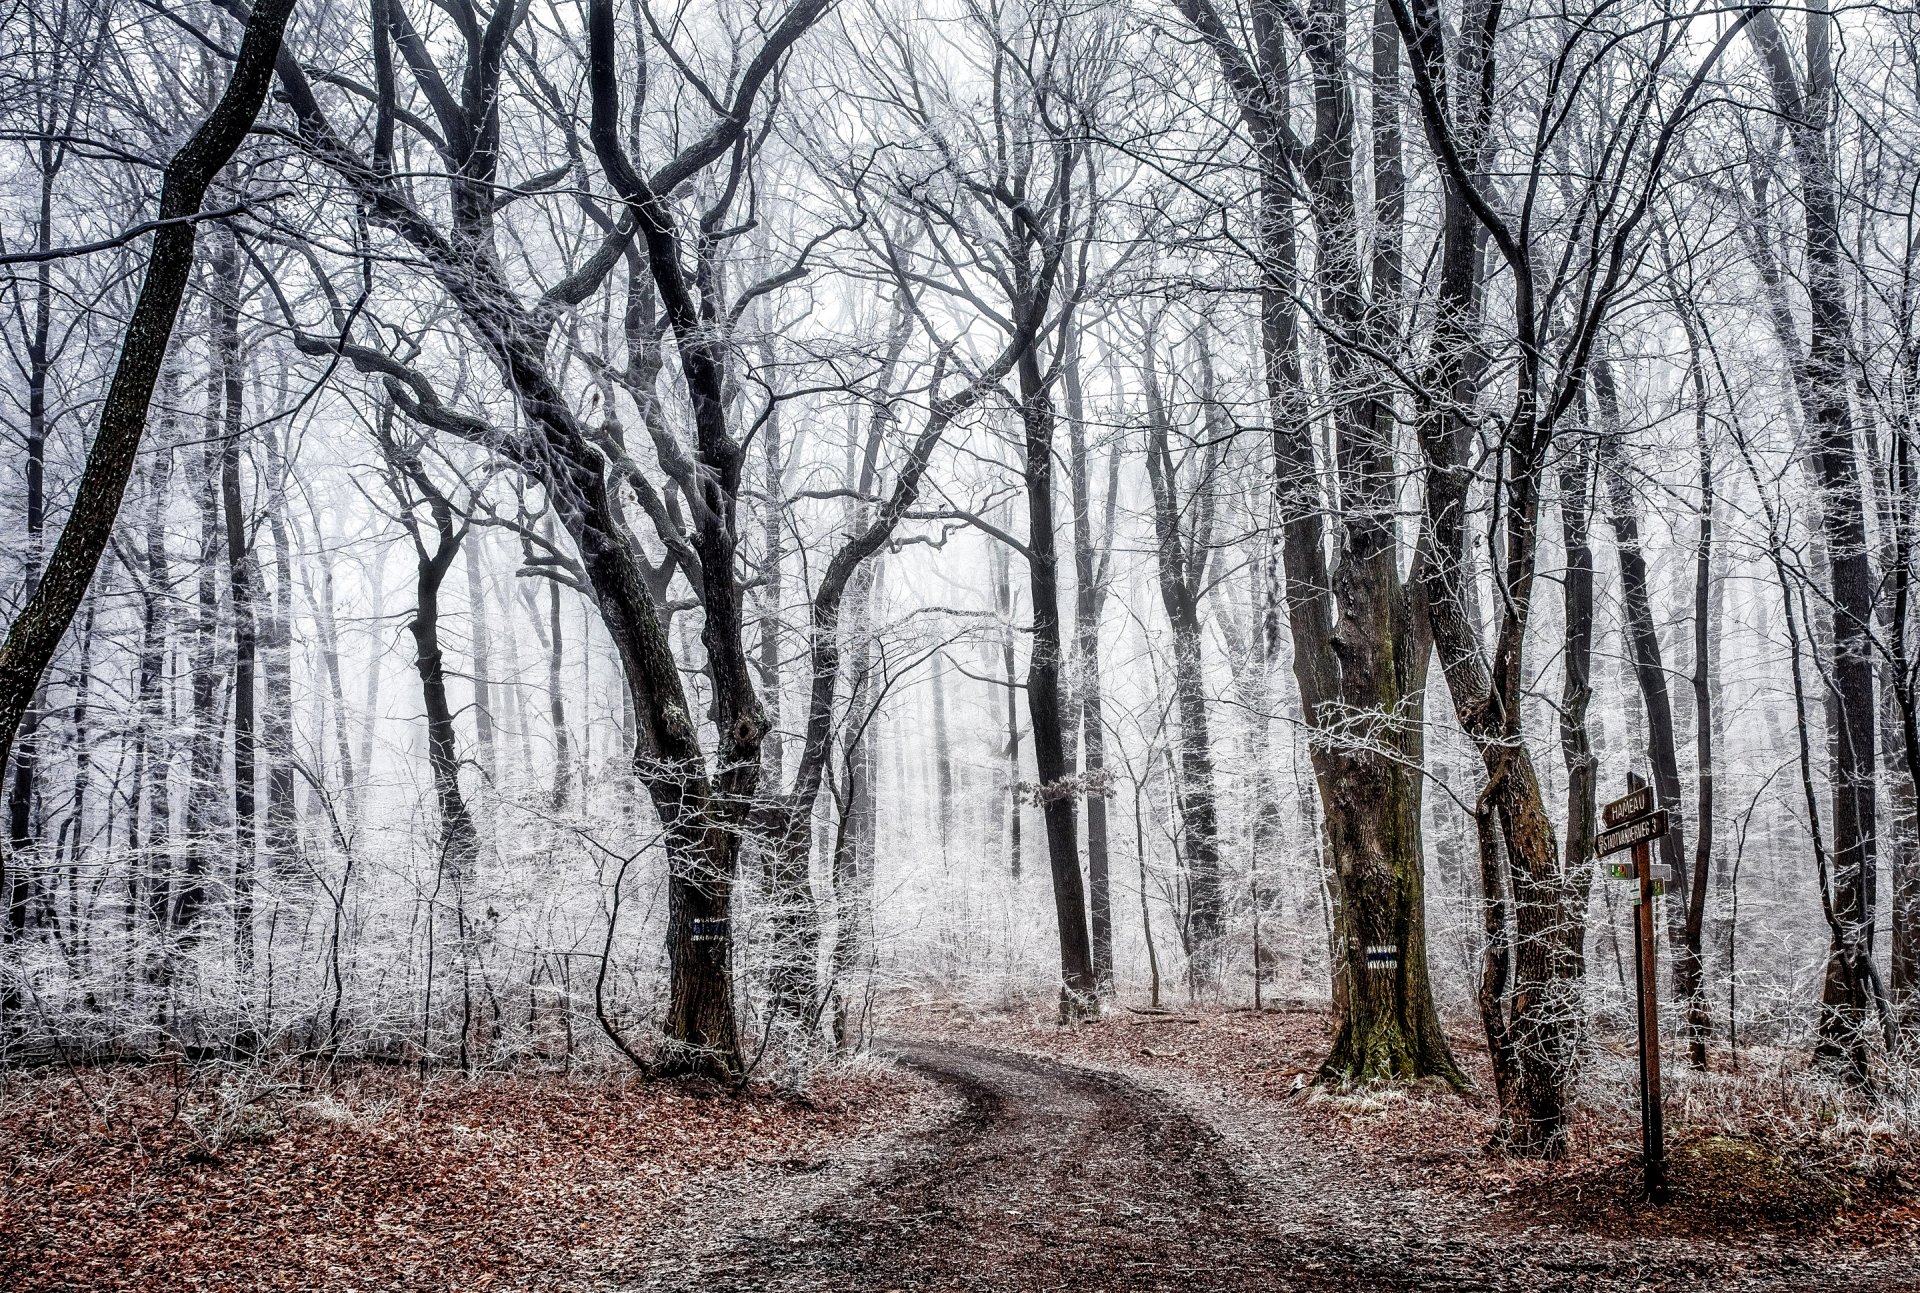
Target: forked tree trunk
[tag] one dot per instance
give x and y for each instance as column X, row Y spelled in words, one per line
column 1533, row 918
column 1357, row 643
column 459, row 843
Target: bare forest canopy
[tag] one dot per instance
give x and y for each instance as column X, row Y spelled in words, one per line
column 630, row 528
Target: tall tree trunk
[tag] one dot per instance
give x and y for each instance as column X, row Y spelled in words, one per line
column 276, row 727
column 556, row 701
column 853, row 836
column 155, row 790
column 1643, row 643
column 240, row 590
column 21, row 835
column 1356, row 631
column 1806, row 102
column 942, row 761
column 459, row 852
column 1090, row 558
column 1529, row 989
column 479, row 617
column 327, row 624
column 1705, row 716
column 1079, row 991
column 772, row 597
column 1183, row 532
column 1576, row 687
column 204, row 807
column 1002, row 567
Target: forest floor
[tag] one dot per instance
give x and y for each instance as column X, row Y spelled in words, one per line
column 995, row 1152
column 170, row 1178
column 1192, row 1153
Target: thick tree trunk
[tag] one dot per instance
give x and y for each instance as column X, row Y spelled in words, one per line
column 1354, row 628
column 1529, row 989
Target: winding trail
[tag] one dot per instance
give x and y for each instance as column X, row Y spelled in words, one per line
column 1048, row 1175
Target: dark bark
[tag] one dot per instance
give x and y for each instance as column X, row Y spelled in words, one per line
column 1528, row 992
column 783, row 819
column 1091, row 557
column 701, row 808
column 276, row 726
column 1183, row 533
column 1650, row 672
column 1705, row 652
column 413, row 488
column 16, row 887
column 1359, row 646
column 241, row 588
column 1805, row 99
column 1576, row 687
column 1002, row 567
column 35, row 634
column 1079, row 990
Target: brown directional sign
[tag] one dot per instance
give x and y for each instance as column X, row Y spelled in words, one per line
column 1638, row 831
column 1628, row 807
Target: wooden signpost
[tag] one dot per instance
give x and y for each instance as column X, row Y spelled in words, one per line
column 1634, row 824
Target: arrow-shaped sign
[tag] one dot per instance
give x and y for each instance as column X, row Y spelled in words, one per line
column 1624, row 809
column 1638, row 831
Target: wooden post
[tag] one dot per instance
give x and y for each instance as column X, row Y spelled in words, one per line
column 1646, row 984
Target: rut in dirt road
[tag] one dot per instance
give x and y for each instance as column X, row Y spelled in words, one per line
column 1051, row 1177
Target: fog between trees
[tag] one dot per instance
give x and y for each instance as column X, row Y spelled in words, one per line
column 655, row 526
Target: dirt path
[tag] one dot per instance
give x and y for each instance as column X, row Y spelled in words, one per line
column 1046, row 1175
